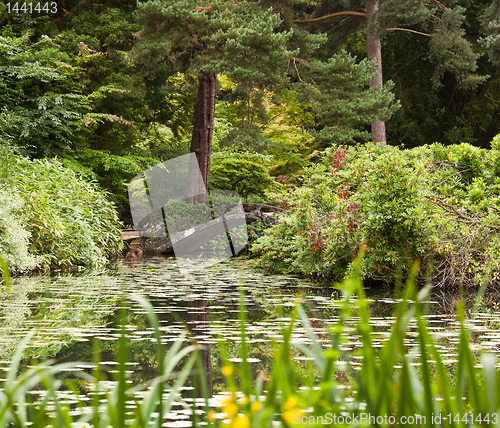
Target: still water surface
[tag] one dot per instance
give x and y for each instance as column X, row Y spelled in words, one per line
column 69, row 313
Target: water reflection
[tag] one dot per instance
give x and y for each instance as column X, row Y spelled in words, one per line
column 197, row 322
column 70, row 313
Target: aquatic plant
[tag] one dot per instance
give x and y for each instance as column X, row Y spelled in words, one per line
column 405, row 379
column 392, row 386
column 30, row 396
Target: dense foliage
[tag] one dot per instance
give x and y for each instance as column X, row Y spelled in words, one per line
column 440, row 204
column 100, row 86
column 51, row 219
column 243, row 172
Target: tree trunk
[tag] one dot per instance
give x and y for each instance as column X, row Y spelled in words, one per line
column 58, row 16
column 201, row 141
column 374, row 48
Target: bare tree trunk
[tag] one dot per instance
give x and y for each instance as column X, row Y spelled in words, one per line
column 374, row 48
column 58, row 16
column 203, row 126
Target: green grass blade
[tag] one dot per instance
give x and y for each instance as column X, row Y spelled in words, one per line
column 245, row 366
column 5, row 272
column 488, row 362
column 153, row 320
column 17, row 357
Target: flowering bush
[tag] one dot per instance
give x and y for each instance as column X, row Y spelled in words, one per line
column 440, row 204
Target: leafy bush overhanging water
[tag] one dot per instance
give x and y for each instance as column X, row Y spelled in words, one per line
column 52, row 219
column 437, row 203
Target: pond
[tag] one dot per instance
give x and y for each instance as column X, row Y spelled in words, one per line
column 70, row 313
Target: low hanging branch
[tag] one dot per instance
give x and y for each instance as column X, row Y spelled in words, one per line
column 358, row 14
column 406, row 29
column 333, row 15
column 194, row 36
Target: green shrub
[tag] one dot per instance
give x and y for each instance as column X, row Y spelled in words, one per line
column 69, row 222
column 242, row 172
column 14, row 237
column 436, row 203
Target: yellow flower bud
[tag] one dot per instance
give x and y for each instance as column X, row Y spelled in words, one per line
column 291, row 403
column 241, row 422
column 289, row 415
column 228, row 400
column 227, row 370
column 256, row 405
column 211, row 415
column 230, row 410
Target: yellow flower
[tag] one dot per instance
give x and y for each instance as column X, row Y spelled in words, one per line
column 228, row 400
column 230, row 410
column 211, row 415
column 227, row 370
column 244, row 400
column 289, row 415
column 241, row 422
column 291, row 403
column 256, row 405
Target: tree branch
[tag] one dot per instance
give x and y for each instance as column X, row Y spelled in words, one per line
column 333, row 15
column 406, row 29
column 296, row 60
column 194, row 41
column 453, row 210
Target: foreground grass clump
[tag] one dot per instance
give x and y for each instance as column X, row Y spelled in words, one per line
column 437, row 203
column 404, row 381
column 22, row 386
column 50, row 219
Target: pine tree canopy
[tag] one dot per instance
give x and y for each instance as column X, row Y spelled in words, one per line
column 439, row 23
column 239, row 39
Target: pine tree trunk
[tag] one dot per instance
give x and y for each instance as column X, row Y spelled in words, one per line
column 374, row 48
column 203, row 125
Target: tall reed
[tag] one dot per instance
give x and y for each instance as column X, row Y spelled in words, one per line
column 397, row 385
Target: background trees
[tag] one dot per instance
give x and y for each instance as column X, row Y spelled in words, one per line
column 110, row 89
column 237, row 39
column 438, row 24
